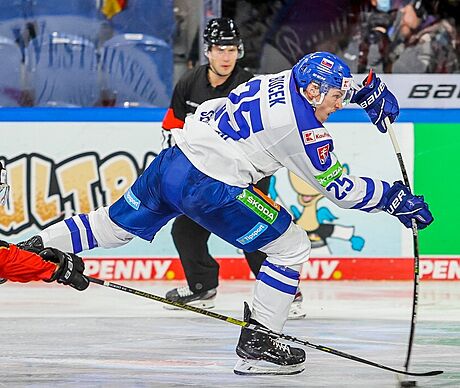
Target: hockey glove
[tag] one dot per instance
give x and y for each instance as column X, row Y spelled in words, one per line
column 33, row 244
column 70, row 268
column 377, row 101
column 400, row 202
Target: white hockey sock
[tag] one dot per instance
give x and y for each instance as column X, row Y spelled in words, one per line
column 71, row 235
column 274, row 292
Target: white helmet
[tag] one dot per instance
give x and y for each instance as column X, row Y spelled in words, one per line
column 4, row 187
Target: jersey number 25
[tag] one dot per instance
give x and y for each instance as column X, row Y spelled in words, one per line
column 248, row 107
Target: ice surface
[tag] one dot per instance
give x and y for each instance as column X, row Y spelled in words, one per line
column 54, row 336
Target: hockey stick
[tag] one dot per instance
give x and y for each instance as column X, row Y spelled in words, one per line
column 415, row 244
column 257, row 328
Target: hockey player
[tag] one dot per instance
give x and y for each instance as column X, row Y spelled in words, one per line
column 223, row 46
column 272, row 121
column 48, row 264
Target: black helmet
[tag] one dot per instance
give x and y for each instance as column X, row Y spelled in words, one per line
column 222, row 32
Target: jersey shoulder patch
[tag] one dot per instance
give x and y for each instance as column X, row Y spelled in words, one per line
column 310, row 136
column 318, row 145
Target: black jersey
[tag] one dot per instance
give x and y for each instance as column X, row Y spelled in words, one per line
column 194, row 88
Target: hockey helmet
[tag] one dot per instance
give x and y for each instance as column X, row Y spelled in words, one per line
column 325, row 70
column 4, row 187
column 222, row 32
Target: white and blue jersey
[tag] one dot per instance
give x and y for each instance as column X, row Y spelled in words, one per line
column 266, row 124
column 228, row 145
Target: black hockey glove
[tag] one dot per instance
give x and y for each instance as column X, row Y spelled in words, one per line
column 70, row 268
column 33, row 244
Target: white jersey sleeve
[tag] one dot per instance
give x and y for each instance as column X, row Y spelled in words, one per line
column 266, row 124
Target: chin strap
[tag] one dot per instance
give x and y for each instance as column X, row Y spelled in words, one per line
column 313, row 103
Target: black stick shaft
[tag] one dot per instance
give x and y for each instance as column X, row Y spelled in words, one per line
column 415, row 245
column 258, row 328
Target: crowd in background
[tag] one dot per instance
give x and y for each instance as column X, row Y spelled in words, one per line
column 391, row 36
column 131, row 53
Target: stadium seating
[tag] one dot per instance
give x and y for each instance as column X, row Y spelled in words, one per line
column 10, row 73
column 63, row 70
column 51, row 51
column 149, row 17
column 133, row 70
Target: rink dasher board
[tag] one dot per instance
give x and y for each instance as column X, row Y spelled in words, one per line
column 318, row 269
column 96, row 154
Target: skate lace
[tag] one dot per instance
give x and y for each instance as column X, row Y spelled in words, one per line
column 280, row 346
column 184, row 291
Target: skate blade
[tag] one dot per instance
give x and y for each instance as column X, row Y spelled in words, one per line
column 202, row 304
column 260, row 367
column 296, row 312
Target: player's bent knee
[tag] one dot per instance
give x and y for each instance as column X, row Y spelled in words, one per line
column 107, row 233
column 291, row 249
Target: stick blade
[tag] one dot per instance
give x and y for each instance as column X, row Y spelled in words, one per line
column 431, row 373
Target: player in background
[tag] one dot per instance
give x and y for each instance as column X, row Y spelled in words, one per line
column 48, row 264
column 271, row 121
column 223, row 46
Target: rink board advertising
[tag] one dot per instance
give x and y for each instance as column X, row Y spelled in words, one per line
column 62, row 163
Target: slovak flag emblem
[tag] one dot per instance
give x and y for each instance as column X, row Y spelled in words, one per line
column 323, row 153
column 327, row 63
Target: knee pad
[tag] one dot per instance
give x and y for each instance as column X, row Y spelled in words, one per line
column 107, row 233
column 291, row 249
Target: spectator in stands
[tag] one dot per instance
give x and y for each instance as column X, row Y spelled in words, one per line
column 404, row 36
column 374, row 43
column 424, row 39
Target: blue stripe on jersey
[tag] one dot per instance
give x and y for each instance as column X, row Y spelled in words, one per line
column 288, row 272
column 89, row 233
column 276, row 284
column 370, row 190
column 74, row 234
column 386, row 187
column 306, row 120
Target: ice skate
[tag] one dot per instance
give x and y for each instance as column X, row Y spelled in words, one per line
column 261, row 354
column 203, row 300
column 297, row 311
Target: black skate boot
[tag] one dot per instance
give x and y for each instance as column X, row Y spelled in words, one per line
column 185, row 295
column 261, row 354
